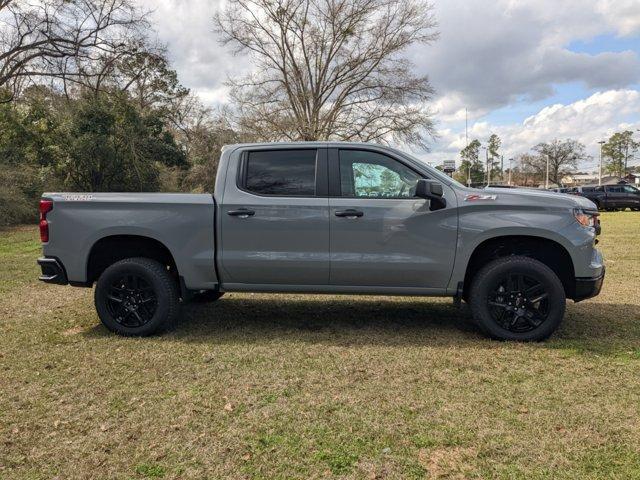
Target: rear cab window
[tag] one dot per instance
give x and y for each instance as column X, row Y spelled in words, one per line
column 286, row 173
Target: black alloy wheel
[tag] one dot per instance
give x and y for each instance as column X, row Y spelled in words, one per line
column 132, row 301
column 519, row 303
column 517, row 298
column 137, row 297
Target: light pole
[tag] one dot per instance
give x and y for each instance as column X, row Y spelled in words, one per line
column 637, row 179
column 466, row 141
column 546, row 180
column 488, row 168
column 625, row 162
column 510, row 160
column 601, row 142
column 487, row 172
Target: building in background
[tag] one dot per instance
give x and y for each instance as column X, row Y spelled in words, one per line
column 579, row 178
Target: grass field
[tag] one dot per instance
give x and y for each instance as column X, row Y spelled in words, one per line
column 294, row 386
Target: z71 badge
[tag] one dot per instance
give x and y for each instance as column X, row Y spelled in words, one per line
column 473, row 197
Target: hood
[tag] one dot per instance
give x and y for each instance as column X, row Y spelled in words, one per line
column 533, row 196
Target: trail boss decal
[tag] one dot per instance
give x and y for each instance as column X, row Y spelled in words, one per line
column 77, row 198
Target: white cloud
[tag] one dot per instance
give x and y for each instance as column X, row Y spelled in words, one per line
column 187, row 28
column 493, row 52
column 622, row 15
column 490, row 51
column 588, row 121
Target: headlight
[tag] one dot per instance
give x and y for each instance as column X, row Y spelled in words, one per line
column 587, row 218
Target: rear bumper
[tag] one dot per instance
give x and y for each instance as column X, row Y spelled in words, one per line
column 588, row 287
column 52, row 271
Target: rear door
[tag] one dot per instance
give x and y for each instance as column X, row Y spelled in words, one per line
column 381, row 234
column 275, row 218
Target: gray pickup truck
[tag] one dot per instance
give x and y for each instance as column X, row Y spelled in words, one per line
column 610, row 197
column 323, row 217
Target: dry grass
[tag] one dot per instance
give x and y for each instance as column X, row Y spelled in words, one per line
column 294, row 386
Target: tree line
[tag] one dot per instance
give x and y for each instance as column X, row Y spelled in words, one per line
column 530, row 168
column 89, row 101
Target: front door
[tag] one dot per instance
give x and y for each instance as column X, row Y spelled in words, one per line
column 616, row 196
column 632, row 195
column 381, row 234
column 274, row 218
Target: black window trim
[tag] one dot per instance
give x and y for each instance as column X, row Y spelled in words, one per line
column 335, row 181
column 321, row 173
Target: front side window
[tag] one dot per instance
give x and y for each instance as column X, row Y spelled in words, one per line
column 373, row 175
column 281, row 172
column 630, row 189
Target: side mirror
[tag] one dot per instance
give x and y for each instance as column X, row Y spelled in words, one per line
column 433, row 191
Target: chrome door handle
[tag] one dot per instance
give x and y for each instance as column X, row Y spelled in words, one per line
column 241, row 213
column 349, row 213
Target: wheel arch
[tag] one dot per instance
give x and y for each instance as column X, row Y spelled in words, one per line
column 112, row 248
column 548, row 251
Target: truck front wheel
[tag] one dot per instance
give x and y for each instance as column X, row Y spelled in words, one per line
column 136, row 297
column 517, row 298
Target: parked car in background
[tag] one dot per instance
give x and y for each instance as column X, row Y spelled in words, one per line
column 323, row 217
column 611, row 197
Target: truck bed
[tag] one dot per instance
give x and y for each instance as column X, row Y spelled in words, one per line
column 183, row 223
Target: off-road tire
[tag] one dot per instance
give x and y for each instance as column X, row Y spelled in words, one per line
column 483, row 289
column 157, row 280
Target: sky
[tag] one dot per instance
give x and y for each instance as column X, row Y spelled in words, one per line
column 528, row 70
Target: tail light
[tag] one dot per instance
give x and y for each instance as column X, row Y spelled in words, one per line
column 45, row 207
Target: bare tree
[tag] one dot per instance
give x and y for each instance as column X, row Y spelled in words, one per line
column 59, row 38
column 563, row 157
column 529, row 170
column 147, row 76
column 330, row 69
column 201, row 132
column 619, row 149
column 142, row 70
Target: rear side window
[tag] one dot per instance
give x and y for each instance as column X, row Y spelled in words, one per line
column 281, row 172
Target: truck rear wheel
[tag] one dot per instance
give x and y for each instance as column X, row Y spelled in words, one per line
column 517, row 298
column 136, row 297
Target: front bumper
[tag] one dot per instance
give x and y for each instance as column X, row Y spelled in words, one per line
column 52, row 271
column 588, row 287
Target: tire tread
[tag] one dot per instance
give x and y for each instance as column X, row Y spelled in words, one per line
column 168, row 287
column 488, row 325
